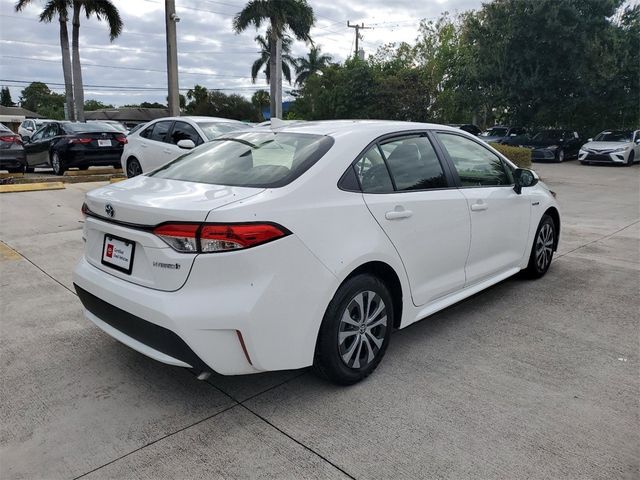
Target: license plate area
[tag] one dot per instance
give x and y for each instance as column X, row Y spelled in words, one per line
column 104, row 143
column 117, row 253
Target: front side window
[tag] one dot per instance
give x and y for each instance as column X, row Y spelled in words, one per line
column 50, row 131
column 372, row 172
column 215, row 129
column 413, row 164
column 476, row 166
column 160, row 130
column 184, row 131
column 249, row 159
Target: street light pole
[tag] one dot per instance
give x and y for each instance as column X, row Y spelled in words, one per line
column 172, row 57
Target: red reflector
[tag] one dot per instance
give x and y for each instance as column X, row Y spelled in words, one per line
column 182, row 230
column 246, row 235
column 80, row 140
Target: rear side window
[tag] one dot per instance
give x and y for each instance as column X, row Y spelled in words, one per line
column 414, row 164
column 372, row 172
column 184, row 131
column 476, row 165
column 249, row 159
column 160, row 130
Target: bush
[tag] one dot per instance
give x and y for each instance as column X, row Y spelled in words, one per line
column 518, row 155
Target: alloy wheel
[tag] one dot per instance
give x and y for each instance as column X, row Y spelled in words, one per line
column 544, row 247
column 55, row 163
column 133, row 168
column 362, row 329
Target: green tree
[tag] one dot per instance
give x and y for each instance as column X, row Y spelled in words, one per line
column 313, row 63
column 59, row 9
column 260, row 99
column 38, row 98
column 217, row 104
column 91, row 105
column 5, row 97
column 295, row 16
column 265, row 55
column 101, row 9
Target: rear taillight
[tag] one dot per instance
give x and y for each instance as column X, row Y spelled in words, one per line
column 121, row 139
column 11, row 139
column 210, row 238
column 85, row 209
column 81, row 140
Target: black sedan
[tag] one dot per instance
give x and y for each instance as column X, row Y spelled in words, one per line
column 555, row 145
column 12, row 157
column 61, row 145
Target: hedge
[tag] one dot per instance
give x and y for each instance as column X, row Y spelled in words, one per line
column 518, row 155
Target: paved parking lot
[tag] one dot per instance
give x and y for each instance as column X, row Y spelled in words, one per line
column 525, row 380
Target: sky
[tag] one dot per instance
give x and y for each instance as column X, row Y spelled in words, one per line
column 132, row 69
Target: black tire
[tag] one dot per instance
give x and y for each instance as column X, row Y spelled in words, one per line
column 117, row 166
column 19, row 169
column 133, row 167
column 539, row 262
column 30, row 169
column 584, row 162
column 560, row 156
column 57, row 163
column 365, row 332
column 631, row 158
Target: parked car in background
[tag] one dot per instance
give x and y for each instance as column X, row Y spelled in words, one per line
column 307, row 244
column 136, row 128
column 612, row 146
column 554, row 145
column 12, row 156
column 165, row 139
column 61, row 145
column 501, row 134
column 28, row 127
column 467, row 127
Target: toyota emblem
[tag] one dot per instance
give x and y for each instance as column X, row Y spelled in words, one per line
column 108, row 208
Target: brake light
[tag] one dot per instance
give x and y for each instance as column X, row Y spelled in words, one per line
column 210, row 238
column 81, row 140
column 85, row 209
column 11, row 139
column 121, row 139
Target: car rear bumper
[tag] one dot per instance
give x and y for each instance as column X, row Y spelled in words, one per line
column 11, row 158
column 75, row 158
column 238, row 313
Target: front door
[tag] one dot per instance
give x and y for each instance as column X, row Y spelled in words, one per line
column 425, row 217
column 499, row 216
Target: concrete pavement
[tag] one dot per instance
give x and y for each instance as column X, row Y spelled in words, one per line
column 525, row 380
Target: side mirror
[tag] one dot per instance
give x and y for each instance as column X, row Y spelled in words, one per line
column 524, row 178
column 637, row 141
column 26, row 139
column 186, row 144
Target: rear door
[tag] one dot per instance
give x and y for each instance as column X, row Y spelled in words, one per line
column 37, row 149
column 499, row 216
column 410, row 194
column 182, row 131
column 155, row 147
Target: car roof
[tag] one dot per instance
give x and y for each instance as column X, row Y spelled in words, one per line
column 202, row 119
column 338, row 127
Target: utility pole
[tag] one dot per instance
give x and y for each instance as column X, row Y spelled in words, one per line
column 172, row 57
column 358, row 36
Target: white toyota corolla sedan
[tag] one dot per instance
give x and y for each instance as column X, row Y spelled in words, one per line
column 280, row 248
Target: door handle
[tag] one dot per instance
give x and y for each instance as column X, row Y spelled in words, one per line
column 479, row 207
column 398, row 214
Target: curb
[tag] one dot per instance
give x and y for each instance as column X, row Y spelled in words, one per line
column 31, row 187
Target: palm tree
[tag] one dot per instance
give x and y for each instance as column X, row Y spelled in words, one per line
column 295, row 16
column 315, row 62
column 265, row 55
column 52, row 9
column 101, row 9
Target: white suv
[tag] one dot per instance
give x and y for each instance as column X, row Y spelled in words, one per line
column 28, row 127
column 165, row 139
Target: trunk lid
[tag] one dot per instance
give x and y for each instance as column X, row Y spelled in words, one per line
column 140, row 203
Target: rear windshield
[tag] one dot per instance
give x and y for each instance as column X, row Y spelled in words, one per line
column 249, row 159
column 88, row 127
column 215, row 129
column 495, row 132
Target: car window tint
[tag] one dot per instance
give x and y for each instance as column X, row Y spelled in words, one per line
column 50, row 131
column 372, row 172
column 159, row 132
column 414, row 164
column 476, row 165
column 37, row 135
column 184, row 131
column 146, row 133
